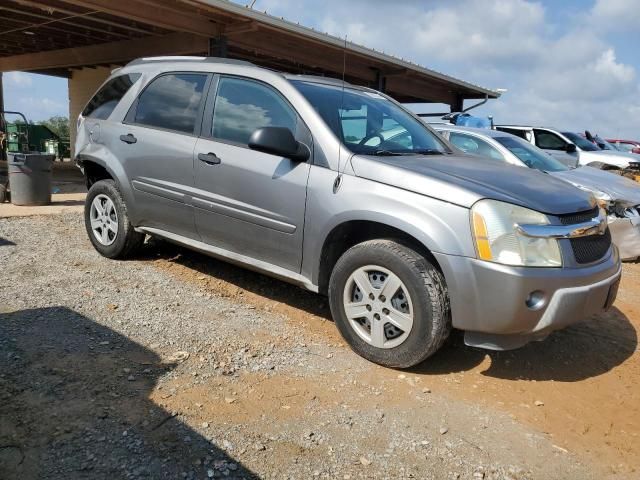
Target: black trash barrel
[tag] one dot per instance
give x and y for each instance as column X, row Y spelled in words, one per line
column 30, row 178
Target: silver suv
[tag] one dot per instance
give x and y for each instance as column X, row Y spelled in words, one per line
column 298, row 177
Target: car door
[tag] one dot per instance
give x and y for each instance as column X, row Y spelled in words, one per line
column 248, row 202
column 155, row 145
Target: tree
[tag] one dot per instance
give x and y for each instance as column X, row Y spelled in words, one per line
column 58, row 125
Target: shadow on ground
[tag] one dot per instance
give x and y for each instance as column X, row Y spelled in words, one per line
column 5, row 243
column 74, row 405
column 585, row 350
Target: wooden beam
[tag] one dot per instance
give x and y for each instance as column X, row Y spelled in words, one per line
column 113, row 52
column 48, row 8
column 240, row 27
column 158, row 16
column 50, row 22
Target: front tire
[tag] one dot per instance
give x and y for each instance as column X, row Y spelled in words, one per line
column 389, row 303
column 107, row 222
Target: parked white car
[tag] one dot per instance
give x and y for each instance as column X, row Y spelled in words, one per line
column 619, row 196
column 569, row 147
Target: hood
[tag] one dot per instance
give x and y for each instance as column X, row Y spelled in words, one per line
column 465, row 179
column 620, row 159
column 619, row 188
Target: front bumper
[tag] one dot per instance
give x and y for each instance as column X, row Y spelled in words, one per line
column 502, row 307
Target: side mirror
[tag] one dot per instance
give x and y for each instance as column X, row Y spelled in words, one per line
column 571, row 148
column 279, row 141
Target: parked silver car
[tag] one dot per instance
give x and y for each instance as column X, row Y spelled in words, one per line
column 278, row 173
column 619, row 196
column 569, row 147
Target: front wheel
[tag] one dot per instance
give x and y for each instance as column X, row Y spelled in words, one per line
column 107, row 222
column 389, row 303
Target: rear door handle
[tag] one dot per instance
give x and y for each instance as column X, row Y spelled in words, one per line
column 128, row 138
column 209, row 158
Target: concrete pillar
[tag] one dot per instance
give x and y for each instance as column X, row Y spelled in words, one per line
column 83, row 84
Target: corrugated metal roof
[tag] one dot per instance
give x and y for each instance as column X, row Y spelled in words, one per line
column 282, row 23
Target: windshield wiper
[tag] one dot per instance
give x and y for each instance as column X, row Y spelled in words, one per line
column 386, row 153
column 426, row 151
column 389, row 153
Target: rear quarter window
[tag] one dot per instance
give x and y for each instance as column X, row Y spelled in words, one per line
column 105, row 101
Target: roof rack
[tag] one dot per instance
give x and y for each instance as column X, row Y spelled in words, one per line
column 164, row 59
column 319, row 79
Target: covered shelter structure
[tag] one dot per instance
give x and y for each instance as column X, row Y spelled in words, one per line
column 83, row 40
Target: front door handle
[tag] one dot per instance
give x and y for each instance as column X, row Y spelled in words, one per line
column 209, row 158
column 128, row 138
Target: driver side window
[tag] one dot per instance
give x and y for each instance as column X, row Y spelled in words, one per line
column 242, row 106
column 549, row 141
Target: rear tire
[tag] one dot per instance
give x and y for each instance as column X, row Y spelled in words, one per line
column 107, row 222
column 415, row 322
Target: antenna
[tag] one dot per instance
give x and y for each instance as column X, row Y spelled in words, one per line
column 338, row 180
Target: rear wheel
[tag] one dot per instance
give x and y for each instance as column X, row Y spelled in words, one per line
column 389, row 303
column 107, row 222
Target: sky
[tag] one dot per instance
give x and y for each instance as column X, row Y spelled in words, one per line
column 571, row 64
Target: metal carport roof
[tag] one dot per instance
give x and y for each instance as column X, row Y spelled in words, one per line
column 55, row 36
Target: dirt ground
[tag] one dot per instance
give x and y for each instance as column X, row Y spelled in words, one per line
column 175, row 365
column 587, row 376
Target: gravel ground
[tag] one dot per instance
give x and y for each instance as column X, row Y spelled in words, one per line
column 124, row 370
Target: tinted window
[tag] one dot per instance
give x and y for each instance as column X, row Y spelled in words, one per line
column 107, row 98
column 531, row 156
column 581, row 142
column 243, row 106
column 474, row 145
column 171, row 102
column 514, row 131
column 369, row 123
column 549, row 141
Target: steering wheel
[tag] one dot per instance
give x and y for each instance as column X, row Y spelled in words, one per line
column 369, row 137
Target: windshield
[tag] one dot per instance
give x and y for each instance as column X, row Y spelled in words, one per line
column 581, row 142
column 531, row 156
column 368, row 123
column 603, row 144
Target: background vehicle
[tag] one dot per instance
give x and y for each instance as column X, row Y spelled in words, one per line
column 561, row 144
column 630, row 146
column 619, row 196
column 281, row 174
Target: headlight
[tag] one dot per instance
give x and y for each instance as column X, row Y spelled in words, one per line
column 494, row 230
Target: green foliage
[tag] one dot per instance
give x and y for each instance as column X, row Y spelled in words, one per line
column 58, row 125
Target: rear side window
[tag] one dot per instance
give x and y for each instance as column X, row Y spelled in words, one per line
column 107, row 98
column 474, row 146
column 243, row 106
column 171, row 102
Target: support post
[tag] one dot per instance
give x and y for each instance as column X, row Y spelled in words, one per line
column 218, row 47
column 3, row 153
column 458, row 104
column 381, row 82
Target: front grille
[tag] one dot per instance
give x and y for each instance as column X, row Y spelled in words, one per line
column 591, row 248
column 579, row 217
